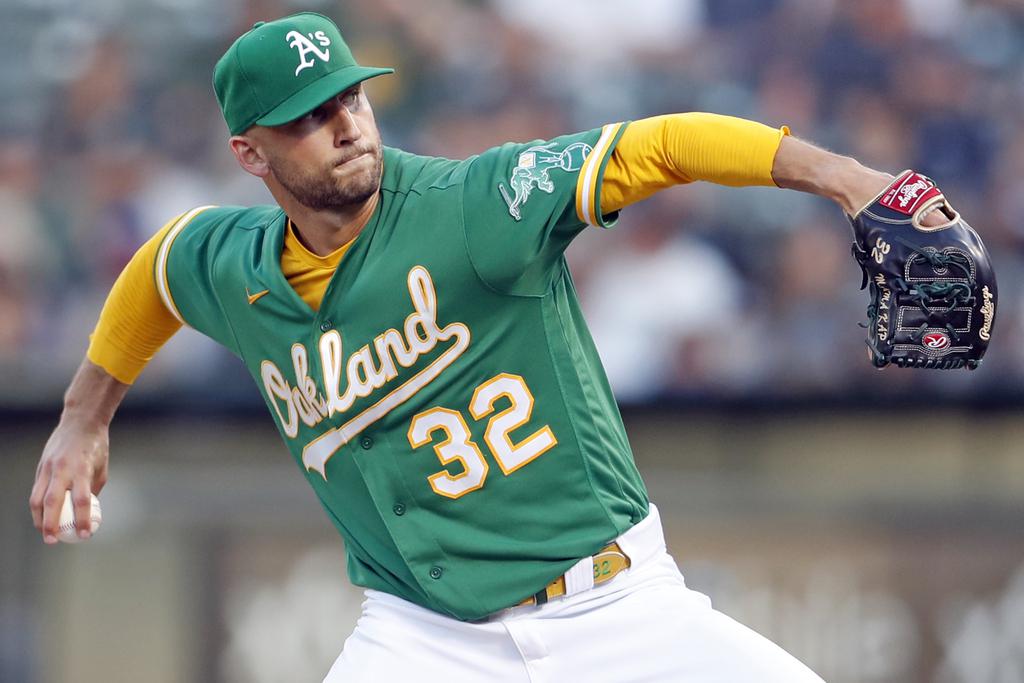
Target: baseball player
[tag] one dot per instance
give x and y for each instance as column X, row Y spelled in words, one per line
column 415, row 333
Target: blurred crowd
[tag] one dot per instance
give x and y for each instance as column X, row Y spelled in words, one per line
column 109, row 128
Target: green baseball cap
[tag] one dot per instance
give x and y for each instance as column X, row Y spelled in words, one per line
column 281, row 70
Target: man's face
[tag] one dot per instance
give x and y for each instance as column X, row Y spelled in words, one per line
column 330, row 158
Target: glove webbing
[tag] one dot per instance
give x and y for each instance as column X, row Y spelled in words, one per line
column 927, row 295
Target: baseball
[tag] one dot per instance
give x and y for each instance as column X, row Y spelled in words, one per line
column 66, row 532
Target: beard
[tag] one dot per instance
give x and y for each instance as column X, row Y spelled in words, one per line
column 320, row 189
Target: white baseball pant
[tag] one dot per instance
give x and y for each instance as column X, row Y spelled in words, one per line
column 644, row 625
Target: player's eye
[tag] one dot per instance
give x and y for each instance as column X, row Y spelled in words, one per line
column 314, row 115
column 350, row 98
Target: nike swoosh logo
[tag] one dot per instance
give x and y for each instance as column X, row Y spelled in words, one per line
column 253, row 298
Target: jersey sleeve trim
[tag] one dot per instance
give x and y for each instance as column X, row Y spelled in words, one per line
column 588, row 186
column 160, row 269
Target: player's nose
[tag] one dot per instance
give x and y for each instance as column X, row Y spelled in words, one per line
column 346, row 129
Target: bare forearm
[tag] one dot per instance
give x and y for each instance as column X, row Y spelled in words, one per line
column 93, row 396
column 802, row 166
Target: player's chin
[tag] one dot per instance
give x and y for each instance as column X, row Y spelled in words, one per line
column 357, row 188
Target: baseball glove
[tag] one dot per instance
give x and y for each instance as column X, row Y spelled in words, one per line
column 932, row 289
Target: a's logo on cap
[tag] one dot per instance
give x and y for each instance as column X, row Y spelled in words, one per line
column 306, row 47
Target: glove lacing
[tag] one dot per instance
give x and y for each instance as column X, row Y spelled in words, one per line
column 939, row 298
column 932, row 298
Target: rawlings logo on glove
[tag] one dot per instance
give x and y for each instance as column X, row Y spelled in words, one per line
column 932, row 289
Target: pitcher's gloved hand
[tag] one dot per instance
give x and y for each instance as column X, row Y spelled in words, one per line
column 933, row 290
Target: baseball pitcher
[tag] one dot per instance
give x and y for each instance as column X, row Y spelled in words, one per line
column 414, row 331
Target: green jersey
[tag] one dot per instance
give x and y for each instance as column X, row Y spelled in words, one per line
column 446, row 401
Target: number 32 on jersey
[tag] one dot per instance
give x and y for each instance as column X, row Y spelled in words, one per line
column 453, row 443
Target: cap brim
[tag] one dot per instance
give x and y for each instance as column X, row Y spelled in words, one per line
column 318, row 92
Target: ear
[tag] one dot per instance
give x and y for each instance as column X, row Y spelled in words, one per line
column 249, row 156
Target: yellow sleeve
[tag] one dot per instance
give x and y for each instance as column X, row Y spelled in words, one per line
column 662, row 151
column 134, row 323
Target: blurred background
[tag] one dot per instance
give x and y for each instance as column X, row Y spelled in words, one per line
column 876, row 549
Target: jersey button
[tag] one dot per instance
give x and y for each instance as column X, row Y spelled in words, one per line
column 436, row 572
column 366, row 442
column 399, row 509
column 326, row 326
